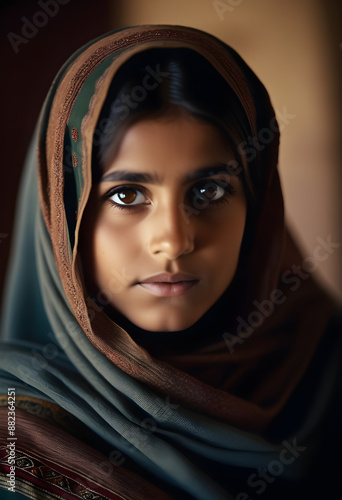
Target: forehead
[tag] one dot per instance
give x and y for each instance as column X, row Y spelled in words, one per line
column 171, row 146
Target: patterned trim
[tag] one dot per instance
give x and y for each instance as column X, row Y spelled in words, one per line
column 27, row 489
column 49, row 412
column 54, row 461
column 37, row 480
column 74, row 134
column 74, row 160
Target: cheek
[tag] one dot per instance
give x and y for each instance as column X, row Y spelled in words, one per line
column 223, row 242
column 114, row 250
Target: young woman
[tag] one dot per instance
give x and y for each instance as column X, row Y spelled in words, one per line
column 162, row 337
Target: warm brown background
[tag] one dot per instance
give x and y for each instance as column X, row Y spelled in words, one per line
column 295, row 46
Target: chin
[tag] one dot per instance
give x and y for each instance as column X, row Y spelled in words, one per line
column 169, row 324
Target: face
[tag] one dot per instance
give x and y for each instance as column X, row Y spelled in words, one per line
column 162, row 230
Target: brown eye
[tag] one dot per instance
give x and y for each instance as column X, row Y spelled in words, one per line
column 209, row 191
column 127, row 196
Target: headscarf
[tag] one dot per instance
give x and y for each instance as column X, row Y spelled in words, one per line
column 198, row 422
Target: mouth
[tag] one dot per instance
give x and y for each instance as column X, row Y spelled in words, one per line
column 169, row 285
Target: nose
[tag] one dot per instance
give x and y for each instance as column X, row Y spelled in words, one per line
column 170, row 233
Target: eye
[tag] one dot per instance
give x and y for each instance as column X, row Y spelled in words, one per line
column 210, row 191
column 127, row 196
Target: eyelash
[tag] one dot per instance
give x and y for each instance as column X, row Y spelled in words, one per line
column 118, row 189
column 228, row 188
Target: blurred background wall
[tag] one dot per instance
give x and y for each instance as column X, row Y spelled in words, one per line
column 294, row 46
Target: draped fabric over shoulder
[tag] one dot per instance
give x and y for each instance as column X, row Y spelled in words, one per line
column 96, row 412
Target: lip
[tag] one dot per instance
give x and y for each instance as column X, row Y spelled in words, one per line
column 169, row 285
column 168, row 278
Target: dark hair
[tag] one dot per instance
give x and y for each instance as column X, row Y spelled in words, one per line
column 183, row 81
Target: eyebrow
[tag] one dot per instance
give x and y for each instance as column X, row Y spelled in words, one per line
column 146, row 178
